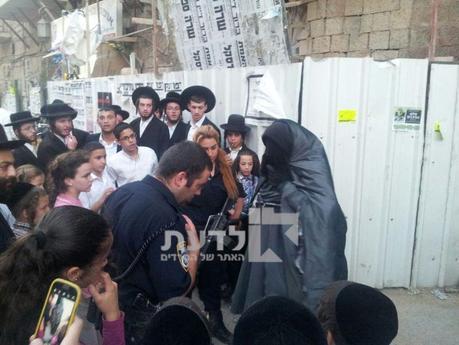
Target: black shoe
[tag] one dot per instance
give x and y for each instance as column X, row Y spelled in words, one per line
column 218, row 328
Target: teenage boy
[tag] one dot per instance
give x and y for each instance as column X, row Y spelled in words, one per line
column 198, row 100
column 133, row 162
column 172, row 108
column 107, row 121
column 102, row 184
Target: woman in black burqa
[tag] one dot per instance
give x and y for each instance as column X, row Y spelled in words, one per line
column 298, row 181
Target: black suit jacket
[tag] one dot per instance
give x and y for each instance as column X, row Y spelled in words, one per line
column 204, row 123
column 51, row 146
column 22, row 155
column 180, row 133
column 6, row 234
column 95, row 137
column 155, row 136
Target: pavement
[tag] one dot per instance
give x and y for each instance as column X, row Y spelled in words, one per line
column 424, row 318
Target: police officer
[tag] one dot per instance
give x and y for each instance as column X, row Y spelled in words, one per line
column 147, row 208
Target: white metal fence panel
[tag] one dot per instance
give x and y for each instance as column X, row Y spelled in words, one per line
column 436, row 261
column 376, row 169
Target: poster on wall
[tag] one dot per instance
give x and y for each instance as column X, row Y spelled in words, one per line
column 407, row 119
column 228, row 33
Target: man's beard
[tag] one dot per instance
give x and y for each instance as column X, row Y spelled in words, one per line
column 6, row 188
column 173, row 121
column 27, row 140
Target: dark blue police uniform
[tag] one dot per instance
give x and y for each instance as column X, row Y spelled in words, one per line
column 136, row 211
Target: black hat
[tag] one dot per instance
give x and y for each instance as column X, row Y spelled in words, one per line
column 364, row 315
column 178, row 321
column 171, row 96
column 123, row 113
column 56, row 110
column 236, row 123
column 198, row 90
column 148, row 92
column 6, row 144
column 21, row 117
column 278, row 320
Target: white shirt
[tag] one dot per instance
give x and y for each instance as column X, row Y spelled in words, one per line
column 144, row 124
column 32, row 148
column 110, row 149
column 233, row 153
column 123, row 168
column 171, row 130
column 98, row 187
column 194, row 127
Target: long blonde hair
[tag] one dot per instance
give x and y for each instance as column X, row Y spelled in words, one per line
column 208, row 132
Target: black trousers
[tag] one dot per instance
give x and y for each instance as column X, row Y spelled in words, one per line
column 210, row 278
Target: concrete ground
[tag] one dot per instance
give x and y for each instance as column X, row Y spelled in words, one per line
column 423, row 318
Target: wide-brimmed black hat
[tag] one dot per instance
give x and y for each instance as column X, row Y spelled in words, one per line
column 56, row 110
column 148, row 92
column 171, row 96
column 6, row 144
column 198, row 90
column 123, row 113
column 236, row 123
column 21, row 117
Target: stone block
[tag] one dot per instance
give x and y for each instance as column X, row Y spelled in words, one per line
column 334, row 26
column 399, row 39
column 353, row 7
column 421, row 14
column 379, row 40
column 335, row 8
column 317, row 27
column 316, row 10
column 301, row 33
column 448, row 51
column 321, row 44
column 418, row 53
column 419, row 37
column 351, row 25
column 448, row 36
column 375, row 6
column 381, row 21
column 384, row 54
column 305, row 47
column 340, row 43
column 366, row 23
column 358, row 42
column 359, row 53
column 400, row 19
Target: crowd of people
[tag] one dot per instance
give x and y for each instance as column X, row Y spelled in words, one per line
column 120, row 213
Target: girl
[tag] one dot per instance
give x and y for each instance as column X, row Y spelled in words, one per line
column 69, row 175
column 29, row 173
column 71, row 243
column 30, row 205
column 220, row 187
column 247, row 169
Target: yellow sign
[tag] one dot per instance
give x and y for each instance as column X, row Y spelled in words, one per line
column 347, row 115
column 437, row 126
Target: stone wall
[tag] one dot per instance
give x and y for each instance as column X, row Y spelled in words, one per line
column 383, row 29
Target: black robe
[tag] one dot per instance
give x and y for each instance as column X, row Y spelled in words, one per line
column 51, row 146
column 318, row 259
column 180, row 133
column 155, row 136
column 22, row 155
column 6, row 234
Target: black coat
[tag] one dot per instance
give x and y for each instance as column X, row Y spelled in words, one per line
column 180, row 133
column 155, row 136
column 51, row 146
column 22, row 155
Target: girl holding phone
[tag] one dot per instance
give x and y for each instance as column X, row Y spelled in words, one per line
column 70, row 243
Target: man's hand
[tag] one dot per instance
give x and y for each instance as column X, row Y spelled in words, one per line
column 193, row 239
column 71, row 142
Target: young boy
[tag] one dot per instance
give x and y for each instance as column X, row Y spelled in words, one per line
column 102, row 184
